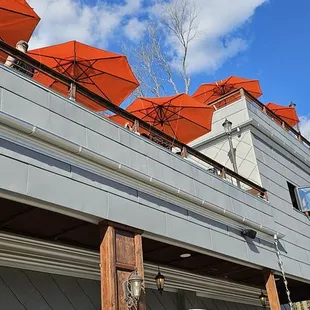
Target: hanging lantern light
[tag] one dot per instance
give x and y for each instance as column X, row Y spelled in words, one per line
column 263, row 300
column 160, row 281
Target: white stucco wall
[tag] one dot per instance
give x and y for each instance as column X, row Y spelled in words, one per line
column 215, row 144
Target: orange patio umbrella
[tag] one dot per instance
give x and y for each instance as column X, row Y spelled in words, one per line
column 212, row 91
column 104, row 73
column 179, row 116
column 17, row 21
column 287, row 114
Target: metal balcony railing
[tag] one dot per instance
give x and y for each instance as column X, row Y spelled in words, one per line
column 165, row 139
column 242, row 93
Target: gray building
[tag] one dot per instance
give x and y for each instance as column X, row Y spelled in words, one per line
column 65, row 171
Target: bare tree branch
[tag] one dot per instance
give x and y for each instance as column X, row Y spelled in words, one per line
column 154, row 63
column 182, row 20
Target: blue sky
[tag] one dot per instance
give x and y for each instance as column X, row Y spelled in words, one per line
column 267, row 40
column 278, row 53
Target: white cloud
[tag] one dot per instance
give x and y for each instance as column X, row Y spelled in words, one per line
column 305, row 126
column 98, row 24
column 64, row 20
column 217, row 40
column 135, row 29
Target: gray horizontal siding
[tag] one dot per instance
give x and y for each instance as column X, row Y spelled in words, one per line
column 53, row 113
column 278, row 165
column 76, row 188
column 58, row 181
column 24, row 289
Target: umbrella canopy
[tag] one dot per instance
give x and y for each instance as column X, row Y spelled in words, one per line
column 179, row 116
column 212, row 91
column 17, row 21
column 287, row 114
column 104, row 73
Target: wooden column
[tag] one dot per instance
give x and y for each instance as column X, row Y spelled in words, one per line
column 120, row 254
column 272, row 292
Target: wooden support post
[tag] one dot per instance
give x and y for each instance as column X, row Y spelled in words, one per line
column 272, row 292
column 120, row 254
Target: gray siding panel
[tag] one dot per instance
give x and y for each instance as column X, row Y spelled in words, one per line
column 277, row 166
column 60, row 182
column 73, row 122
column 74, row 292
column 50, row 290
column 166, row 301
column 30, row 290
column 22, row 289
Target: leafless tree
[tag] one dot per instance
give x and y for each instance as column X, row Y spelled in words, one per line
column 182, row 21
column 155, row 65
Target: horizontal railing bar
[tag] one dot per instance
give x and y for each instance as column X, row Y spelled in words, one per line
column 293, row 130
column 123, row 113
column 224, row 97
column 261, row 105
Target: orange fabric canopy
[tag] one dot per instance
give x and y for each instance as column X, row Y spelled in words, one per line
column 212, row 91
column 104, row 73
column 17, row 21
column 287, row 114
column 179, row 116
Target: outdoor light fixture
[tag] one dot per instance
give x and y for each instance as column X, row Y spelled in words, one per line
column 263, row 299
column 185, row 255
column 132, row 289
column 249, row 233
column 227, row 126
column 160, row 282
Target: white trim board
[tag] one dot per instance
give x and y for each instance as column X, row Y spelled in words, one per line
column 32, row 254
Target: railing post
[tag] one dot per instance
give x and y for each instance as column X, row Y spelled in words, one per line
column 184, row 152
column 135, row 127
column 242, row 94
column 265, row 195
column 72, row 91
column 264, row 110
column 293, row 105
column 223, row 173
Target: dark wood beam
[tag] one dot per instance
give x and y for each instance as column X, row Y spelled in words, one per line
column 72, row 228
column 14, row 217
